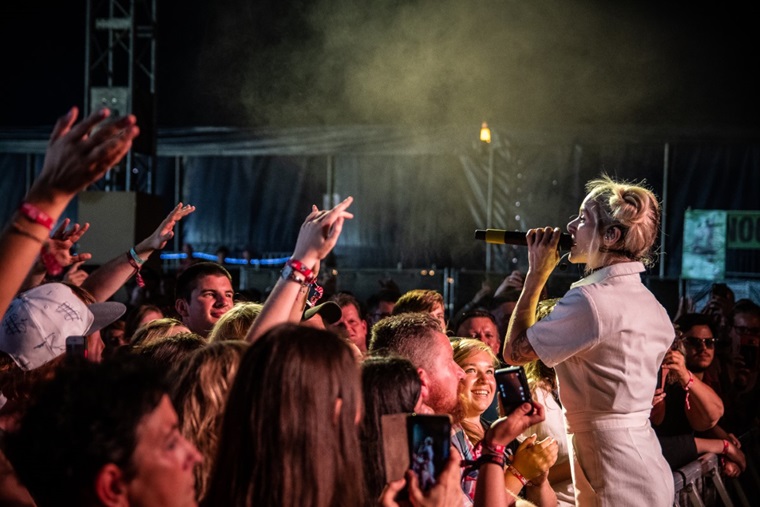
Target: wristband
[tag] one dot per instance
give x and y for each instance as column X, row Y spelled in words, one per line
column 686, row 388
column 725, row 447
column 137, row 266
column 36, row 215
column 491, row 458
column 288, row 273
column 520, row 477
column 493, row 449
column 52, row 266
column 136, row 257
column 299, row 266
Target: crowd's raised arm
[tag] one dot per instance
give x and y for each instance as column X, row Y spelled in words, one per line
column 186, row 393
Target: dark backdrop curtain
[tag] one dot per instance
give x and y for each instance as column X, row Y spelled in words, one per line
column 418, row 207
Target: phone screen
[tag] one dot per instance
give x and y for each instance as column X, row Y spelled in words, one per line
column 513, row 388
column 429, row 443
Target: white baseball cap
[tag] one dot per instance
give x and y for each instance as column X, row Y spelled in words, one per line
column 38, row 321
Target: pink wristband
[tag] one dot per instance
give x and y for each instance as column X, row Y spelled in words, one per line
column 36, row 215
column 493, row 449
column 520, row 477
column 686, row 388
column 301, row 268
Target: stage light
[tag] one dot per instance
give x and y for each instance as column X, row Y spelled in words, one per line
column 485, row 133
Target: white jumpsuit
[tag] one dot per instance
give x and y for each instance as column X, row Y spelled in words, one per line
column 606, row 339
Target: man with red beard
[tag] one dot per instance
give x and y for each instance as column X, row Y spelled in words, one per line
column 419, row 337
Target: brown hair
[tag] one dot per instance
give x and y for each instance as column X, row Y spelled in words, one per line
column 153, row 331
column 538, row 374
column 408, row 335
column 234, row 324
column 200, row 395
column 418, row 300
column 136, row 315
column 168, row 351
column 390, row 385
column 289, row 435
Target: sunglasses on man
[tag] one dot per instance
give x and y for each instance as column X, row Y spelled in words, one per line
column 695, row 343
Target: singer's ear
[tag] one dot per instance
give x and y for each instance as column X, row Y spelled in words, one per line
column 612, row 235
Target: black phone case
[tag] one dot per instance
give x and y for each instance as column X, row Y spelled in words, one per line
column 513, row 388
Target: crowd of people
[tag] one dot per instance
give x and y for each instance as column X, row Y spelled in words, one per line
column 206, row 398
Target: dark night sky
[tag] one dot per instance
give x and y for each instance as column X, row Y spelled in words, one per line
column 533, row 64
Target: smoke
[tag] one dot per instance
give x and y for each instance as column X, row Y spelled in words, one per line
column 526, row 64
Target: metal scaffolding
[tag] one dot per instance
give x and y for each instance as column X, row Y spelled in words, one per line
column 120, row 73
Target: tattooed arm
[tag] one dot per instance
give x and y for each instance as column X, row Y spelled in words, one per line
column 542, row 258
column 519, row 350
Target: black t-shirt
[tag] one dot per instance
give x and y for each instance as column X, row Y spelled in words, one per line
column 675, row 433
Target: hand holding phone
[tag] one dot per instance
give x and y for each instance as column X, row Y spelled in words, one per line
column 506, row 429
column 418, row 442
column 429, row 443
column 513, row 388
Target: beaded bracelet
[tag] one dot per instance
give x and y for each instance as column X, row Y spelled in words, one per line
column 36, row 215
column 725, row 447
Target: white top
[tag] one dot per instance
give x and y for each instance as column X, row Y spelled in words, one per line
column 606, row 339
column 553, row 426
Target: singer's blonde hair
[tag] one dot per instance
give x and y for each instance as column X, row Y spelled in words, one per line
column 634, row 210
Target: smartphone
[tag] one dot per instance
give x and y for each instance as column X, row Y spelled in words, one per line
column 76, row 346
column 429, row 439
column 660, row 378
column 513, row 388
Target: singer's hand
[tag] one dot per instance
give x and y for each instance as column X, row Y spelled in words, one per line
column 543, row 255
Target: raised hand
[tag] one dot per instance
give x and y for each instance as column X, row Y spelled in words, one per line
column 78, row 155
column 76, row 275
column 320, row 232
column 61, row 241
column 543, row 254
column 447, row 491
column 165, row 230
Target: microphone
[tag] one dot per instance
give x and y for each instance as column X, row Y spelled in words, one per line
column 501, row 237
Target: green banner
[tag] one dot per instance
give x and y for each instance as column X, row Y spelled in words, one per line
column 704, row 245
column 743, row 230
